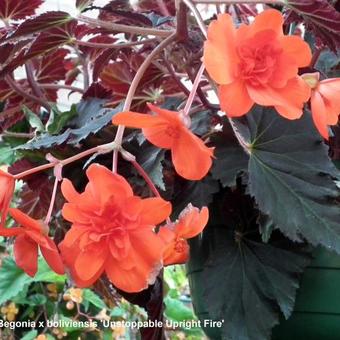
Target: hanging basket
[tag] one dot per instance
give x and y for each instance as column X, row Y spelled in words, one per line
column 316, row 314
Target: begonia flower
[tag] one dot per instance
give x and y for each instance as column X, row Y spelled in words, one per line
column 7, row 183
column 191, row 222
column 112, row 231
column 257, row 63
column 325, row 101
column 32, row 235
column 166, row 129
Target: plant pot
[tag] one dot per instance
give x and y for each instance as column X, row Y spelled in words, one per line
column 316, row 314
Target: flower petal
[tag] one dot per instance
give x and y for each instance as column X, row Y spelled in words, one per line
column 135, row 120
column 297, row 49
column 270, row 19
column 235, row 100
column 103, row 184
column 154, row 210
column 288, row 100
column 176, row 250
column 7, row 183
column 192, row 159
column 68, row 191
column 87, row 265
column 52, row 257
column 220, row 57
column 146, row 251
column 25, row 221
column 191, row 222
column 329, row 89
column 319, row 114
column 26, row 254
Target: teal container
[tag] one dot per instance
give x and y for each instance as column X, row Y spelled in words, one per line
column 316, row 313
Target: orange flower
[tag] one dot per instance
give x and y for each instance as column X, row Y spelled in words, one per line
column 112, row 231
column 167, row 130
column 257, row 64
column 31, row 235
column 325, row 101
column 7, row 183
column 191, row 222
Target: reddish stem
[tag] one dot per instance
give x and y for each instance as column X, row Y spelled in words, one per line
column 146, row 177
column 104, row 148
column 50, row 209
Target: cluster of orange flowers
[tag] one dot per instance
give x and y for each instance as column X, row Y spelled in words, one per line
column 118, row 233
column 113, row 231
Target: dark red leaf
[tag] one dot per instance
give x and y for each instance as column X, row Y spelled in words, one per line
column 9, row 117
column 166, row 7
column 51, row 67
column 321, row 18
column 101, row 61
column 96, row 90
column 11, row 113
column 92, row 52
column 125, row 17
column 40, row 23
column 18, row 9
column 44, row 43
column 72, row 67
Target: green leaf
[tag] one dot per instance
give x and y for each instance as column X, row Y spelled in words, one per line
column 46, row 274
column 98, row 117
column 177, row 310
column 7, row 155
column 30, row 335
column 33, row 119
column 58, row 120
column 230, row 159
column 150, row 158
column 94, row 299
column 244, row 282
column 12, row 280
column 292, row 177
column 36, row 300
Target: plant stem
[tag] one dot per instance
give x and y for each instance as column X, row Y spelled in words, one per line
column 182, row 21
column 315, row 57
column 120, row 45
column 193, row 90
column 54, row 193
column 60, row 86
column 17, row 88
column 132, row 90
column 146, row 177
column 17, row 134
column 33, row 83
column 197, row 16
column 104, row 148
column 124, row 28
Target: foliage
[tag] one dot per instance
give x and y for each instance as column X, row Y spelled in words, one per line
column 273, row 191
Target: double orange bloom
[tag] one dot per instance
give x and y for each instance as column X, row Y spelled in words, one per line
column 113, row 232
column 257, row 64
